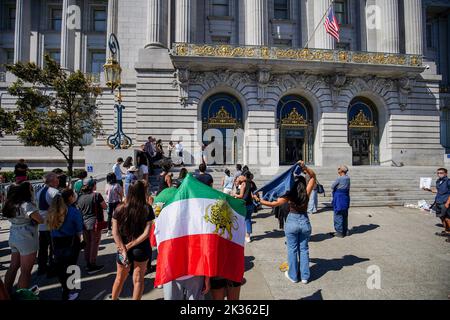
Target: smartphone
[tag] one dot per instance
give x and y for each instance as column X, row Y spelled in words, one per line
column 123, row 260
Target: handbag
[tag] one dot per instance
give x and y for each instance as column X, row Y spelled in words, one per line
column 320, row 189
column 100, row 222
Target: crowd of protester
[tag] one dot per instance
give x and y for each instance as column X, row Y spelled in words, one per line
column 62, row 220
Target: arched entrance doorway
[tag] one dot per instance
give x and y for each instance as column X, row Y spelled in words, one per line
column 363, row 132
column 221, row 117
column 295, row 122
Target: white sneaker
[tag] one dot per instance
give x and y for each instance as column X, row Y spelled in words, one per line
column 247, row 239
column 73, row 296
column 286, row 274
column 109, row 234
column 159, row 287
column 305, row 281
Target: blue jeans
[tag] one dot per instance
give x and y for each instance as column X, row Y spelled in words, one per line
column 248, row 217
column 341, row 221
column 298, row 231
column 313, row 202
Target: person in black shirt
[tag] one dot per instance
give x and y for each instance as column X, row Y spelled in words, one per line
column 246, row 193
column 203, row 176
column 20, row 171
column 91, row 205
column 131, row 228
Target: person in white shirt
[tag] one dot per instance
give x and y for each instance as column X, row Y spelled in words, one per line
column 118, row 171
column 179, row 151
column 44, row 199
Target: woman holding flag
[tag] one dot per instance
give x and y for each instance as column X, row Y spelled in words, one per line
column 297, row 227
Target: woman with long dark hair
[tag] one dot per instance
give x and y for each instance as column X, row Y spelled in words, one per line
column 178, row 181
column 66, row 226
column 297, row 227
column 131, row 229
column 128, row 162
column 23, row 237
column 91, row 204
column 165, row 178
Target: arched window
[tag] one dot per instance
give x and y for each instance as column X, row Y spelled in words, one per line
column 222, row 113
column 363, row 132
column 295, row 121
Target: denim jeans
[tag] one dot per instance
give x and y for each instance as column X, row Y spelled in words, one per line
column 298, row 231
column 313, row 202
column 248, row 217
column 341, row 221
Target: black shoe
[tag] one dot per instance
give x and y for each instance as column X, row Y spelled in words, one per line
column 442, row 234
column 94, row 269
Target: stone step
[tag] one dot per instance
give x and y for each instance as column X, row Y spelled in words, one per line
column 371, row 186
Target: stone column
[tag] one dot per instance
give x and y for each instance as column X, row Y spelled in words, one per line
column 22, row 31
column 321, row 39
column 388, row 34
column 157, row 23
column 71, row 20
column 256, row 23
column 361, row 28
column 372, row 22
column 413, row 26
column 185, row 19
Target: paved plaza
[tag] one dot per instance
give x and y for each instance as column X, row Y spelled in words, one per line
column 413, row 262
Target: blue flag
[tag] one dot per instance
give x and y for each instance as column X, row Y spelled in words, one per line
column 280, row 185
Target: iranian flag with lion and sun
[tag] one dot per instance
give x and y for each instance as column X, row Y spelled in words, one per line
column 200, row 231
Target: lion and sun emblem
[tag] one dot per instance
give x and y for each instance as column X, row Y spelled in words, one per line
column 221, row 215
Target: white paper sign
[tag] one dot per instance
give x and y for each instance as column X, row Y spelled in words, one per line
column 425, row 183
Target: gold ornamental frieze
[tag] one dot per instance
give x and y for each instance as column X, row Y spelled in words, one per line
column 360, row 121
column 297, row 54
column 222, row 119
column 294, row 119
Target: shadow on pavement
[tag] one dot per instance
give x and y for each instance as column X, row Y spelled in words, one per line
column 322, row 266
column 355, row 230
column 249, row 262
column 320, row 237
column 269, row 234
column 99, row 285
column 363, row 228
column 324, row 209
column 315, row 296
column 262, row 215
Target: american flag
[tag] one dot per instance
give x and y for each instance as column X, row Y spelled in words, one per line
column 331, row 24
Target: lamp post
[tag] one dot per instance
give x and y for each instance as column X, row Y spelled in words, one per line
column 118, row 140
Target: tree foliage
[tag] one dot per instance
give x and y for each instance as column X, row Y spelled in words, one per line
column 55, row 108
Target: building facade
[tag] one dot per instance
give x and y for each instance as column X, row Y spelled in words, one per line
column 256, row 81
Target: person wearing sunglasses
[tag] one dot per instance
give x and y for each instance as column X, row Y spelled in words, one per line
column 442, row 201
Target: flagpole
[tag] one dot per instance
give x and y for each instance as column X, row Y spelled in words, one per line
column 312, row 35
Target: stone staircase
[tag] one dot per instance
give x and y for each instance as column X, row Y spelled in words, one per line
column 370, row 185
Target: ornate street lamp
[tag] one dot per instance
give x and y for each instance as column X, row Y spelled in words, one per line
column 118, row 140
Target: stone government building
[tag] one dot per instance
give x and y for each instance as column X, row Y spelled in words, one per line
column 377, row 97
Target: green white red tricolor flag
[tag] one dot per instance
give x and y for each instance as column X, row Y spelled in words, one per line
column 200, row 232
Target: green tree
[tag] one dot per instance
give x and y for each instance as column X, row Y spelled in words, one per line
column 55, row 108
column 8, row 123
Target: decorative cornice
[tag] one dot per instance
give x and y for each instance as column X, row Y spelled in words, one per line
column 297, row 54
